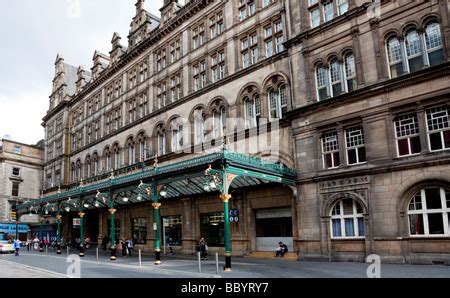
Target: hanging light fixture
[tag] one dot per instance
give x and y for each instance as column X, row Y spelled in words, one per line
column 86, row 205
column 125, row 199
column 67, row 208
column 46, row 211
column 139, row 197
column 97, row 204
column 163, row 192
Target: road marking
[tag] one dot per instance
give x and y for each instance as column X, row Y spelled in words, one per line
column 158, row 269
column 19, row 265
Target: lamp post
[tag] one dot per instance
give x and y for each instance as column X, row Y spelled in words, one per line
column 58, row 241
column 41, row 245
column 81, row 214
column 221, row 181
column 112, row 211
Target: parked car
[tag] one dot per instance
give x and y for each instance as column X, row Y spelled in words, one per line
column 6, row 246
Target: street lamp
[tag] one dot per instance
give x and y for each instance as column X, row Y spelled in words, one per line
column 110, row 203
column 220, row 180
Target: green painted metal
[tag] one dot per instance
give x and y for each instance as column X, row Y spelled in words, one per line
column 236, row 163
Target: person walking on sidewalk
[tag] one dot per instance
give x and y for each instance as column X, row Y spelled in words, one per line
column 17, row 246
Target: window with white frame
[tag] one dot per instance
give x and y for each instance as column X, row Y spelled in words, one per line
column 16, row 172
column 177, row 137
column 118, row 88
column 322, row 82
column 433, row 41
column 415, row 50
column 266, row 3
column 330, row 150
column 116, row 158
column 347, row 220
column 252, row 107
column 143, row 104
column 132, row 110
column 199, row 70
column 342, row 6
column 217, row 66
column 407, row 135
column 356, row 147
column 328, row 9
column 350, row 73
column 132, row 79
column 438, row 127
column 161, row 143
column 199, row 126
column 246, row 9
column 216, row 24
column 96, row 164
column 336, row 77
column 108, row 163
column 314, row 15
column 117, row 118
column 277, row 102
column 273, row 38
column 175, row 51
column 131, row 152
column 161, row 95
column 429, row 212
column 198, row 35
column 219, row 122
column 160, row 59
column 175, row 87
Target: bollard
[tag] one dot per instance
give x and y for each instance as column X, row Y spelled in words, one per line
column 199, row 263
column 97, row 253
column 67, row 248
column 140, row 259
column 217, row 263
column 46, row 249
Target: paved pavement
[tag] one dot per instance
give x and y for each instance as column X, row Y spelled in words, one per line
column 182, row 266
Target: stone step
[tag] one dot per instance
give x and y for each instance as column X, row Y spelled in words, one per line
column 290, row 256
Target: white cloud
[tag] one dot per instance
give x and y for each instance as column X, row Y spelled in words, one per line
column 33, row 32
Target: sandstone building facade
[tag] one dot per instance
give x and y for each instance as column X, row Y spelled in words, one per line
column 354, row 95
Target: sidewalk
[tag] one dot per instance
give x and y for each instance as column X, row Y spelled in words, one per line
column 15, row 270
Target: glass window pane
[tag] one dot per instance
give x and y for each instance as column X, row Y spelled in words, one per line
column 362, row 154
column 352, row 156
column 436, row 141
column 212, row 228
column 447, row 198
column 416, row 202
column 337, row 228
column 337, row 209
column 348, row 206
column 433, row 198
column 140, row 230
column 436, row 57
column 447, row 138
column 416, row 224
column 349, row 227
column 415, row 64
column 361, row 227
column 416, row 147
column 328, row 161
column 436, row 223
column 403, row 148
column 336, row 159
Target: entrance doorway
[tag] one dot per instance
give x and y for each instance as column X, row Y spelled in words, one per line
column 272, row 226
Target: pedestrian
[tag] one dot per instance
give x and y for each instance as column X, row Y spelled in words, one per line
column 17, row 246
column 29, row 244
column 129, row 246
column 36, row 243
column 124, row 248
column 203, row 249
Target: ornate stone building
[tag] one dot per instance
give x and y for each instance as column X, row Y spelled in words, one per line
column 351, row 94
column 20, row 174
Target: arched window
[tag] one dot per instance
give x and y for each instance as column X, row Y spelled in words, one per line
column 131, row 151
column 199, row 126
column 336, row 77
column 79, row 169
column 116, row 151
column 74, row 177
column 347, row 220
column 142, row 148
column 395, row 57
column 177, row 135
column 429, row 212
column 417, row 50
column 88, row 167
column 108, row 164
column 252, row 111
column 161, row 143
column 433, row 40
column 413, row 51
column 219, row 122
column 277, row 102
column 322, row 82
column 350, row 72
column 96, row 165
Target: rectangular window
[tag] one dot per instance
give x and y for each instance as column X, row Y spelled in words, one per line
column 212, row 228
column 173, row 226
column 314, row 15
column 139, row 230
column 330, row 150
column 16, row 172
column 15, row 189
column 17, row 149
column 438, row 126
column 356, row 150
column 407, row 135
column 328, row 11
column 342, row 6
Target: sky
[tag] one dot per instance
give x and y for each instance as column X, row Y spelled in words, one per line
column 33, row 33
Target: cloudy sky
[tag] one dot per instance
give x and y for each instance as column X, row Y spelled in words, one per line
column 33, row 32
